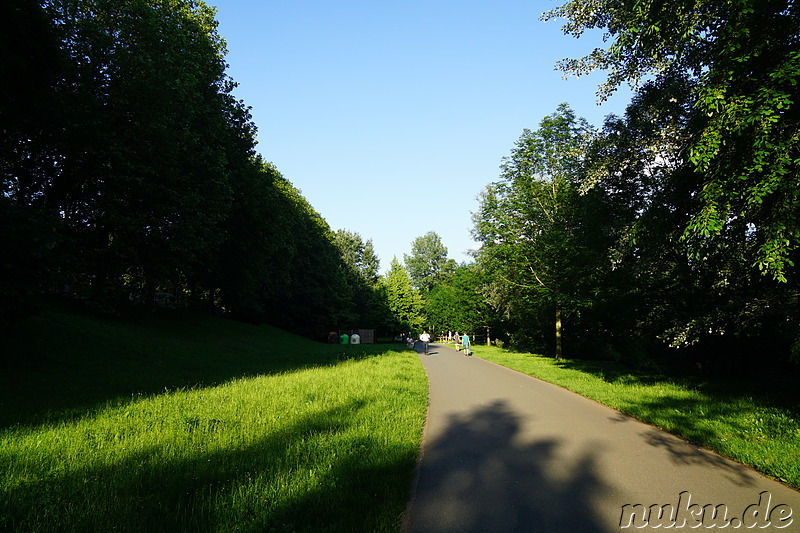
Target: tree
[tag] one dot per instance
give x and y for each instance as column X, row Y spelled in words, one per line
column 428, row 264
column 637, row 174
column 529, row 222
column 404, row 301
column 459, row 303
column 126, row 130
column 725, row 212
column 126, row 161
column 658, row 292
column 359, row 255
column 152, row 171
column 361, row 266
column 742, row 60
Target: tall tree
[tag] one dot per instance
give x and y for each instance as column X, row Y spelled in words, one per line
column 136, row 161
column 529, row 224
column 731, row 196
column 31, row 119
column 361, row 271
column 428, row 264
column 743, row 59
column 404, row 301
column 358, row 254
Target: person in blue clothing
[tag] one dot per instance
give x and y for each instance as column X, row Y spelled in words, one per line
column 465, row 344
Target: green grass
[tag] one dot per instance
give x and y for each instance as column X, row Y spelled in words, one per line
column 750, row 425
column 196, row 423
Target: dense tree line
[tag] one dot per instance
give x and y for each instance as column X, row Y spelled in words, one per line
column 668, row 234
column 673, row 230
column 128, row 168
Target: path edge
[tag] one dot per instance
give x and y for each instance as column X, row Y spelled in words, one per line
column 405, row 521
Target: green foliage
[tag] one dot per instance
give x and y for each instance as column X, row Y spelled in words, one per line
column 369, row 309
column 460, row 303
column 699, row 179
column 428, row 264
column 358, row 255
column 119, row 120
column 144, row 183
column 742, row 60
column 294, row 276
column 404, row 301
column 535, row 239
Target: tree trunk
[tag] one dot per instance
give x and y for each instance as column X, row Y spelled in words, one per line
column 558, row 332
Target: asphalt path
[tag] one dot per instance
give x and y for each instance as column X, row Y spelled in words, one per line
column 502, row 451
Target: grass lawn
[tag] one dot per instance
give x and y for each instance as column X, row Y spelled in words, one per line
column 729, row 418
column 196, row 423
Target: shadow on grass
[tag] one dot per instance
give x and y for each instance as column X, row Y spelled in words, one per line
column 479, row 476
column 66, row 363
column 263, row 486
column 612, row 372
column 766, row 387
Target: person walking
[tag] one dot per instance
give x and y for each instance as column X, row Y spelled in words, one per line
column 425, row 338
column 457, row 340
column 465, row 343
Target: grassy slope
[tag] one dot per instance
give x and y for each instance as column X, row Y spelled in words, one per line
column 184, row 422
column 756, row 427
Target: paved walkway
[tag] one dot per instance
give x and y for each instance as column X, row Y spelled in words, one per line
column 503, row 452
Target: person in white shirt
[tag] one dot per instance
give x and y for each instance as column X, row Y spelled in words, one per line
column 425, row 338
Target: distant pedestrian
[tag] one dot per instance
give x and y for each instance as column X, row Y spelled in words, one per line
column 425, row 338
column 465, row 342
column 457, row 340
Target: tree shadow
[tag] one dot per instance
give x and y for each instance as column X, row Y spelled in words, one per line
column 768, row 386
column 683, row 453
column 612, row 372
column 224, row 489
column 480, row 475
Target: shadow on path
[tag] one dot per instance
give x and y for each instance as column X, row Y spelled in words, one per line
column 506, row 452
column 479, row 475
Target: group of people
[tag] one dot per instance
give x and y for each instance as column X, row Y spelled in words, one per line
column 461, row 342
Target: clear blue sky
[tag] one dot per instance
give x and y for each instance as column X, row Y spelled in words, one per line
column 391, row 117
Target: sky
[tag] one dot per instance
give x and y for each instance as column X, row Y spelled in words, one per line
column 391, row 117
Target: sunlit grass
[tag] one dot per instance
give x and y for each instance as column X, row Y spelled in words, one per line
column 325, row 447
column 735, row 423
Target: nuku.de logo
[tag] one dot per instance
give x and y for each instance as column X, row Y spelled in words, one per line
column 692, row 515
